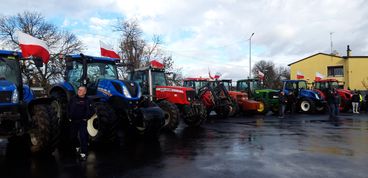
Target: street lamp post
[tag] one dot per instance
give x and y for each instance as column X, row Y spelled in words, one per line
column 250, row 55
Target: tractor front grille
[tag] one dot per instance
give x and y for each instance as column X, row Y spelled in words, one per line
column 132, row 88
column 191, row 94
column 273, row 95
column 5, row 96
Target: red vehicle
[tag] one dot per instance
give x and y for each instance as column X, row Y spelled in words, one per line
column 176, row 101
column 322, row 86
column 237, row 101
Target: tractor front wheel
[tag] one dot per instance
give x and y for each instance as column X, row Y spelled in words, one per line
column 172, row 115
column 307, row 106
column 195, row 114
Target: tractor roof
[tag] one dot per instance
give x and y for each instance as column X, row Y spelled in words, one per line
column 94, row 58
column 327, row 80
column 196, row 79
column 251, row 79
column 8, row 53
column 294, row 81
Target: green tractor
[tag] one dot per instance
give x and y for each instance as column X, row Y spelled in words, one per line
column 255, row 89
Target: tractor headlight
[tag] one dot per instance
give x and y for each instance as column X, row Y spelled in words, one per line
column 15, row 98
column 126, row 92
column 317, row 97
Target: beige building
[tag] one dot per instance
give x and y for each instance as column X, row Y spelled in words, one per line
column 350, row 70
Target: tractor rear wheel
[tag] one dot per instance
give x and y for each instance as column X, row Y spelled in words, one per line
column 195, row 114
column 172, row 114
column 102, row 126
column 44, row 133
column 234, row 108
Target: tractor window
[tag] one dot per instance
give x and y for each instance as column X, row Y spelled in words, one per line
column 302, row 85
column 9, row 70
column 190, row 84
column 227, row 85
column 334, row 85
column 242, row 86
column 158, row 79
column 74, row 75
column 96, row 71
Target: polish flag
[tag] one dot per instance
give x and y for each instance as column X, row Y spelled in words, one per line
column 157, row 64
column 107, row 51
column 217, row 75
column 319, row 76
column 33, row 47
column 209, row 74
column 299, row 75
column 261, row 75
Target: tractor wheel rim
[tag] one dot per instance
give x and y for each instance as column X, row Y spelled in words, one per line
column 91, row 126
column 305, row 106
column 34, row 139
column 261, row 107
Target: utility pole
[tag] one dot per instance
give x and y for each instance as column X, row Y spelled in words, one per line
column 331, row 41
column 250, row 55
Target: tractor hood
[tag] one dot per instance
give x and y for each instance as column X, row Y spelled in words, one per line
column 310, row 94
column 344, row 91
column 173, row 89
column 175, row 94
column 6, row 85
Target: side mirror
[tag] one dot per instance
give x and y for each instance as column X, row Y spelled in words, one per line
column 38, row 62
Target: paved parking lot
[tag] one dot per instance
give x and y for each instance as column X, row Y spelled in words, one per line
column 245, row 146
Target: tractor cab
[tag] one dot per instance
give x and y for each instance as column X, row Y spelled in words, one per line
column 195, row 83
column 248, row 86
column 88, row 71
column 322, row 87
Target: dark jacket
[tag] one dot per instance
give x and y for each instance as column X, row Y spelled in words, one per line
column 282, row 99
column 80, row 108
column 355, row 98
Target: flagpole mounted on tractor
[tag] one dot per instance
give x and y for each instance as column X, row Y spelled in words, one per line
column 250, row 55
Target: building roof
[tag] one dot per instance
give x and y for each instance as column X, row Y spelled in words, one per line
column 313, row 56
column 344, row 57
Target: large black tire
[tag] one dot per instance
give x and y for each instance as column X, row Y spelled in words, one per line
column 102, row 126
column 223, row 109
column 60, row 106
column 307, row 106
column 44, row 132
column 194, row 114
column 172, row 115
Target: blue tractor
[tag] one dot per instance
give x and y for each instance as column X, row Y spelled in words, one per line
column 116, row 102
column 307, row 101
column 21, row 114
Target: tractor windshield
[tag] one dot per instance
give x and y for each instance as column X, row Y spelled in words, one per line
column 242, row 86
column 227, row 85
column 334, row 84
column 158, row 79
column 95, row 71
column 9, row 70
column 302, row 85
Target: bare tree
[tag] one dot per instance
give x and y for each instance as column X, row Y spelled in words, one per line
column 59, row 43
column 273, row 75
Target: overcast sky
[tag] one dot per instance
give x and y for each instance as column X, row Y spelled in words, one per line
column 202, row 34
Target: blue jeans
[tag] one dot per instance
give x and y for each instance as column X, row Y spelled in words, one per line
column 333, row 110
column 282, row 110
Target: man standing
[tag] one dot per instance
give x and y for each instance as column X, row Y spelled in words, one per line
column 79, row 112
column 355, row 102
column 282, row 101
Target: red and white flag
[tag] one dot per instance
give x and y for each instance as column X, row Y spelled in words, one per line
column 33, row 47
column 217, row 75
column 107, row 51
column 299, row 75
column 319, row 76
column 261, row 75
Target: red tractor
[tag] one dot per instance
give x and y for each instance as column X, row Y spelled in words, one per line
column 322, row 87
column 245, row 104
column 176, row 101
column 214, row 96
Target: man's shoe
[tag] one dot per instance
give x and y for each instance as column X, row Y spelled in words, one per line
column 77, row 149
column 83, row 157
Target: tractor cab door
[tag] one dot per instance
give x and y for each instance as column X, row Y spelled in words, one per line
column 141, row 78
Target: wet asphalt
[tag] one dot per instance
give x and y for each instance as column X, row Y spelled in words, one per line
column 244, row 146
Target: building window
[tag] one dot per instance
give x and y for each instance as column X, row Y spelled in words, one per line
column 335, row 71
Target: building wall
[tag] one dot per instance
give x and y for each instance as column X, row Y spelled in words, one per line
column 358, row 71
column 317, row 63
column 355, row 69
